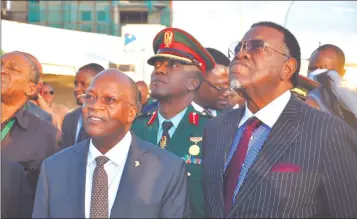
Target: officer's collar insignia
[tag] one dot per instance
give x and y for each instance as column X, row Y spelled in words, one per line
column 153, row 117
column 194, row 118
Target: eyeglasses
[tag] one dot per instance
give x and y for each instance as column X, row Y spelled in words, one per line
column 107, row 100
column 49, row 92
column 219, row 89
column 251, row 46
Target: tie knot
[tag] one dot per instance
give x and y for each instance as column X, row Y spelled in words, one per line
column 253, row 123
column 166, row 125
column 101, row 160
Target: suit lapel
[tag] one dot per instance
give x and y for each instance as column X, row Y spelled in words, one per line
column 223, row 146
column 78, row 179
column 281, row 137
column 76, row 116
column 131, row 176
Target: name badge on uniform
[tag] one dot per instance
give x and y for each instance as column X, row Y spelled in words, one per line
column 194, row 149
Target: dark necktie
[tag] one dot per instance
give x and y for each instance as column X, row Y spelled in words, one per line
column 235, row 165
column 165, row 138
column 99, row 199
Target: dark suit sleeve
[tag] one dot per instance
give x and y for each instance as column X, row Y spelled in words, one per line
column 41, row 206
column 66, row 135
column 176, row 203
column 339, row 175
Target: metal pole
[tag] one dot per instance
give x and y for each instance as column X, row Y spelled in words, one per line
column 287, row 13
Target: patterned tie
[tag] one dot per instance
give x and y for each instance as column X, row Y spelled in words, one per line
column 235, row 165
column 99, row 200
column 165, row 138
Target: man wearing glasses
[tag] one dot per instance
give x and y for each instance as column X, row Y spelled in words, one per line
column 179, row 63
column 276, row 157
column 212, row 97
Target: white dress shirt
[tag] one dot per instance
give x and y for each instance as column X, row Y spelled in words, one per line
column 114, row 169
column 270, row 113
column 201, row 109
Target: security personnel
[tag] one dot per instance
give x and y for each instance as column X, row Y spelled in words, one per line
column 211, row 98
column 179, row 64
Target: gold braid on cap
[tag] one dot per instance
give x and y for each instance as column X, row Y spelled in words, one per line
column 182, row 59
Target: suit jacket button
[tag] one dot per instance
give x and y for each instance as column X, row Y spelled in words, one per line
column 188, row 174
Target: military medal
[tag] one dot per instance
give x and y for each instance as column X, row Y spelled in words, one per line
column 163, row 142
column 194, row 149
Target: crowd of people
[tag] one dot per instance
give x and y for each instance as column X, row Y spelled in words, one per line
column 209, row 137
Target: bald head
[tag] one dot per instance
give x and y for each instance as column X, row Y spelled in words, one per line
column 328, row 57
column 127, row 86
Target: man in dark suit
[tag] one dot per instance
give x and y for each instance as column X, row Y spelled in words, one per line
column 276, row 157
column 72, row 130
column 16, row 195
column 144, row 180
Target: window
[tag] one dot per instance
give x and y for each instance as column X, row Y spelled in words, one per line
column 86, row 16
column 101, row 16
column 133, row 17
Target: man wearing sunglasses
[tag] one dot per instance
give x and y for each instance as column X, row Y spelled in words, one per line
column 179, row 63
column 276, row 157
column 211, row 98
column 48, row 94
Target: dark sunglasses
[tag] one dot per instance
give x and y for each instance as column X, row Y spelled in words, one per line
column 50, row 92
column 219, row 89
column 251, row 46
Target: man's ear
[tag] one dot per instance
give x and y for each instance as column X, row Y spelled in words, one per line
column 132, row 113
column 194, row 84
column 289, row 69
column 31, row 89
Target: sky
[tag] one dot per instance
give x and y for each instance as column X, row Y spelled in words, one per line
column 219, row 23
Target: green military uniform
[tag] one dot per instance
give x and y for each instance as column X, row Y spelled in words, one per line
column 186, row 141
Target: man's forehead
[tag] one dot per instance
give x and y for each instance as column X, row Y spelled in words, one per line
column 15, row 57
column 220, row 70
column 264, row 33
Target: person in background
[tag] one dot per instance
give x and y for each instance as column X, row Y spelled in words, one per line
column 327, row 66
column 144, row 92
column 113, row 174
column 25, row 138
column 72, row 130
column 48, row 94
column 210, row 98
column 276, row 157
column 179, row 63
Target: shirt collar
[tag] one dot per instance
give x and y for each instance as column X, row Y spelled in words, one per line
column 22, row 119
column 117, row 154
column 270, row 113
column 201, row 109
column 175, row 120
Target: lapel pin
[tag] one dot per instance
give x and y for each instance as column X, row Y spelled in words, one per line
column 137, row 163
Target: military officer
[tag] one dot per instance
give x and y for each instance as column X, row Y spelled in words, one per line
column 179, row 64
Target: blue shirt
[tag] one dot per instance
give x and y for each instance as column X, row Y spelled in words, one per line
column 175, row 121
